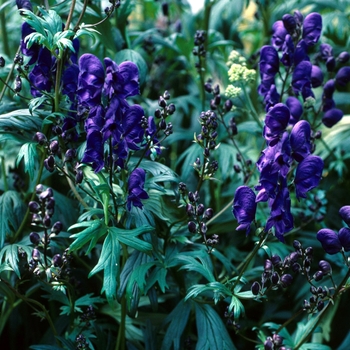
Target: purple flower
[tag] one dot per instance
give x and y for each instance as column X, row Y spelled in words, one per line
column 343, row 57
column 289, row 23
column 332, row 242
column 271, row 98
column 295, row 108
column 316, row 76
column 302, row 77
column 308, row 175
column 40, row 76
column 327, row 96
column 326, row 51
column 300, row 53
column 94, row 150
column 269, row 61
column 332, row 117
column 121, row 80
column 312, row 28
column 24, row 4
column 244, row 207
column 343, row 76
column 300, row 140
column 70, row 81
column 136, row 183
column 281, row 217
column 344, row 212
column 33, row 51
column 288, row 51
column 90, row 80
column 279, row 34
column 276, row 122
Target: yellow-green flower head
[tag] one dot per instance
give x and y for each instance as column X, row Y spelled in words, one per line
column 233, row 91
column 241, row 74
column 236, row 57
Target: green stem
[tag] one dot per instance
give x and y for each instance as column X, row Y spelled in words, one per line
column 251, row 107
column 70, row 15
column 3, row 31
column 3, row 172
column 250, row 258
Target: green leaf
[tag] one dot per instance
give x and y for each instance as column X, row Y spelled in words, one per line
column 109, row 262
column 29, row 155
column 212, row 331
column 135, row 57
column 45, row 347
column 93, row 232
column 88, row 300
column 191, row 264
column 128, row 237
column 177, row 320
column 19, row 122
column 9, row 254
column 12, row 211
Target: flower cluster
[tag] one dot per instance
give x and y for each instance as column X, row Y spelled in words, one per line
column 292, row 37
column 332, row 242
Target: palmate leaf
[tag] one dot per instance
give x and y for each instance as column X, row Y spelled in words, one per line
column 93, row 232
column 212, row 333
column 29, row 155
column 191, row 264
column 19, row 122
column 12, row 210
column 177, row 320
column 9, row 254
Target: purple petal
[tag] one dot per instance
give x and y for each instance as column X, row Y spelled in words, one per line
column 312, row 28
column 279, row 34
column 94, row 151
column 269, row 61
column 277, row 118
column 308, row 175
column 343, row 76
column 332, row 117
column 316, row 76
column 344, row 212
column 244, row 207
column 296, row 109
column 301, row 76
column 344, row 238
column 329, row 240
column 300, row 140
column 326, row 51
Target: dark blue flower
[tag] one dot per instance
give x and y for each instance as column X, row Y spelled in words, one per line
column 316, row 76
column 269, row 61
column 308, row 175
column 276, row 122
column 279, row 33
column 288, row 51
column 281, row 217
column 332, row 242
column 302, row 77
column 24, row 4
column 271, row 98
column 327, row 96
column 326, row 51
column 244, row 207
column 33, row 51
column 40, row 76
column 90, row 80
column 332, row 117
column 295, row 108
column 312, row 28
column 136, row 190
column 289, row 23
column 70, row 81
column 343, row 76
column 300, row 140
column 344, row 212
column 300, row 53
column 94, row 150
column 121, row 80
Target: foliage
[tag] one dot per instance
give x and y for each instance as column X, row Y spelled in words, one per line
column 174, row 180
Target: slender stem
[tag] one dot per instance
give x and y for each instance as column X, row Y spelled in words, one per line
column 250, row 258
column 70, row 15
column 81, row 15
column 3, row 31
column 3, row 172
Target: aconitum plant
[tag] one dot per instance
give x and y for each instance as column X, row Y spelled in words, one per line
column 171, row 180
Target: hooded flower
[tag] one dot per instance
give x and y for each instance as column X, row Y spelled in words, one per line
column 295, row 108
column 344, row 212
column 244, row 207
column 90, row 80
column 332, row 242
column 312, row 28
column 135, row 188
column 279, row 34
column 316, row 76
column 343, row 76
column 94, row 151
column 302, row 77
column 300, row 140
column 308, row 175
column 332, row 117
column 121, row 80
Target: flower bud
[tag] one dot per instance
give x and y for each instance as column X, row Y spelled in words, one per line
column 69, row 155
column 40, row 138
column 297, row 245
column 204, row 228
column 161, row 102
column 306, row 305
column 50, row 204
column 286, row 280
column 47, row 221
column 57, row 227
column 276, row 260
column 34, row 238
column 171, row 109
column 166, row 95
column 277, row 339
column 228, row 105
column 325, row 267
column 343, row 57
column 54, row 146
column 36, row 254
column 2, row 62
column 208, row 214
column 320, row 305
column 36, row 219
column 200, row 209
column 45, row 195
column 18, row 84
column 192, row 227
column 344, row 212
column 268, row 265
column 318, row 276
column 255, row 288
column 275, row 278
column 49, row 163
column 189, row 209
column 57, row 260
column 79, row 176
column 309, row 251
column 268, row 344
column 34, row 207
